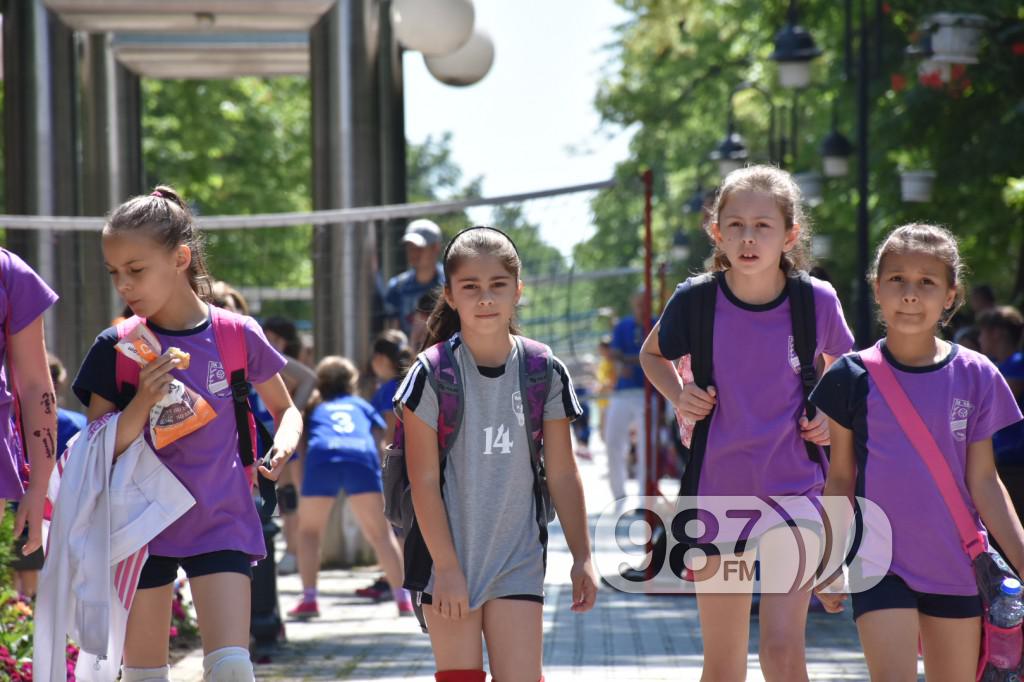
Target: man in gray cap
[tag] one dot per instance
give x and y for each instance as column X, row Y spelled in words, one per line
column 422, row 241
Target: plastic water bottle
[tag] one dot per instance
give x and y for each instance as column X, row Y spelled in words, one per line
column 1006, row 613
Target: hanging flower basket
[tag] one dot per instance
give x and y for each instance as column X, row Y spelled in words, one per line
column 916, row 185
column 954, row 37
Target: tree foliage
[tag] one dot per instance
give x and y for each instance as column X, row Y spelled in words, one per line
column 670, row 75
column 236, row 147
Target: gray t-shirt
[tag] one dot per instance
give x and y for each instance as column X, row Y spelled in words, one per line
column 488, row 479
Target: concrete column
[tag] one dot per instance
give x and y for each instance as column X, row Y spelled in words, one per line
column 111, row 166
column 346, row 173
column 38, row 97
column 344, row 49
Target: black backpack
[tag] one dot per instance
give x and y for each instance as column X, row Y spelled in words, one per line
column 702, row 291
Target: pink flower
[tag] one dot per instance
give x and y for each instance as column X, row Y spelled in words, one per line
column 174, row 631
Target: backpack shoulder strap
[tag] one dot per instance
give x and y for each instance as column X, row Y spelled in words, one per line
column 801, row 305
column 805, row 342
column 229, row 335
column 701, row 325
column 126, row 370
column 446, row 379
column 535, row 375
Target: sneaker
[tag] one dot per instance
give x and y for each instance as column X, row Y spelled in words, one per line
column 378, row 591
column 287, row 565
column 305, row 610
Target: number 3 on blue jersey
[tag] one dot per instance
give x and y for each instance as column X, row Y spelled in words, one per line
column 503, row 441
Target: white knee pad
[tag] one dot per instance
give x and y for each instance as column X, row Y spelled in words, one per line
column 228, row 664
column 161, row 674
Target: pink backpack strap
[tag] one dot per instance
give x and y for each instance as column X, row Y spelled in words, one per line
column 923, row 441
column 126, row 370
column 229, row 334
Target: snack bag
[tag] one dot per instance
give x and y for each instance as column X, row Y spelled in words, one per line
column 181, row 411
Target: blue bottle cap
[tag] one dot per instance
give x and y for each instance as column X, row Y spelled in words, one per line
column 1011, row 586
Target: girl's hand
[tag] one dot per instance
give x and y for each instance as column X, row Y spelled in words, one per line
column 277, row 457
column 815, row 430
column 154, row 379
column 695, row 403
column 451, row 596
column 584, row 585
column 832, row 601
column 30, row 512
column 833, row 594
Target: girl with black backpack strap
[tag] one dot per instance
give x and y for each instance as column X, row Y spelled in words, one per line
column 476, row 549
column 752, row 435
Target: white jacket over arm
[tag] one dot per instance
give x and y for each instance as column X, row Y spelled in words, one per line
column 103, row 514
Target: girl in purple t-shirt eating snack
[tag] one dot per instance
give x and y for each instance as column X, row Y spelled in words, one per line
column 755, row 444
column 24, row 297
column 154, row 253
column 928, row 592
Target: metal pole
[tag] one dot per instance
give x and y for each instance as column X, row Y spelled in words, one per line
column 863, row 330
column 648, row 484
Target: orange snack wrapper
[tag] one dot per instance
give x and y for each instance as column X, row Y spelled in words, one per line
column 179, row 413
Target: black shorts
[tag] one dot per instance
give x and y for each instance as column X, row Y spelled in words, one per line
column 162, row 570
column 428, row 600
column 893, row 593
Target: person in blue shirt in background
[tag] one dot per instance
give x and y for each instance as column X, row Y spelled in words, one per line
column 1000, row 330
column 626, row 405
column 340, row 444
column 422, row 241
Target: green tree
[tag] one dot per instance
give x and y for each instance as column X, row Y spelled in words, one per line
column 236, row 147
column 675, row 62
column 432, row 175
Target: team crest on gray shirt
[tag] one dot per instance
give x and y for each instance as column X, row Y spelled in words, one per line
column 517, row 407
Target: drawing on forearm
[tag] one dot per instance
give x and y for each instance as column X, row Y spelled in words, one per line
column 48, row 442
column 49, row 402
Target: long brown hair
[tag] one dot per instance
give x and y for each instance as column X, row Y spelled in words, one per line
column 472, row 242
column 778, row 184
column 169, row 222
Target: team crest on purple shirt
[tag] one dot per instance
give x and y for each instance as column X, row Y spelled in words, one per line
column 958, row 418
column 217, row 380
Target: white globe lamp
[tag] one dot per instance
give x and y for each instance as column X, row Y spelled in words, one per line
column 433, row 27
column 467, row 65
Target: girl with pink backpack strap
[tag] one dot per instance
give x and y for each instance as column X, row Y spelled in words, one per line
column 476, row 537
column 154, row 253
column 911, row 423
column 28, row 406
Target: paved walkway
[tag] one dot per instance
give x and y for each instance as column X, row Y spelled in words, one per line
column 627, row 637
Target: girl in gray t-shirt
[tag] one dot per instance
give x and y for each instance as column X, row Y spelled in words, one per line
column 476, row 538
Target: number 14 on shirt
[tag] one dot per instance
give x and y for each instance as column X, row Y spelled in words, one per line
column 503, row 441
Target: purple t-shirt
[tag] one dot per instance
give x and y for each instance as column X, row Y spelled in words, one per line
column 754, row 445
column 206, row 461
column 23, row 298
column 962, row 400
